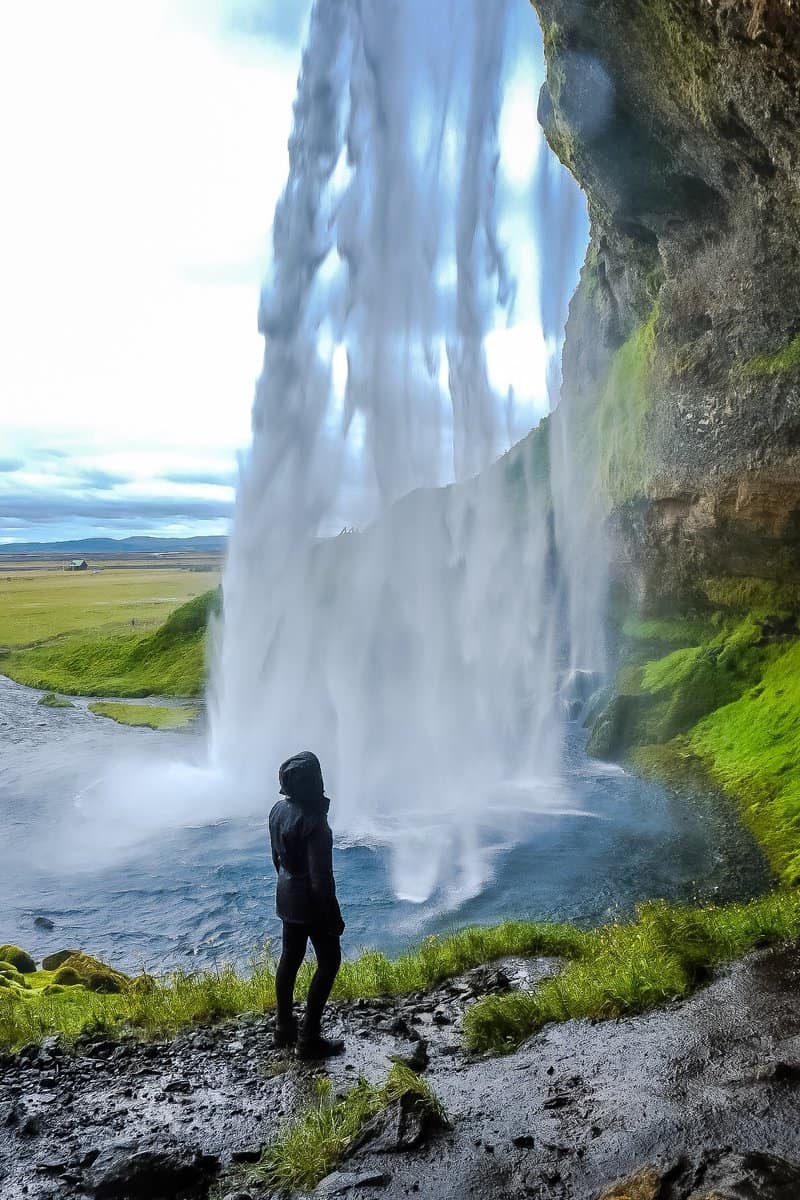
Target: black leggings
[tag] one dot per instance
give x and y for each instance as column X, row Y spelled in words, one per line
column 329, row 957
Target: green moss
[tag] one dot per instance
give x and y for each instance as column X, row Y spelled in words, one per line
column 628, row 968
column 149, row 716
column 787, row 358
column 752, row 749
column 17, row 958
column 748, row 594
column 67, row 976
column 51, row 700
column 622, row 414
column 682, row 61
column 726, row 708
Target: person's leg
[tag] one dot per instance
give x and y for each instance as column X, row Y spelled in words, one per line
column 293, row 950
column 329, row 957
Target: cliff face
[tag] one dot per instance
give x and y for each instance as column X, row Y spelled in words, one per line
column 681, row 121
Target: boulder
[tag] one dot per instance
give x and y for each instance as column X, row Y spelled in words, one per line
column 95, row 975
column 11, row 977
column 18, row 958
column 54, row 961
column 155, row 1172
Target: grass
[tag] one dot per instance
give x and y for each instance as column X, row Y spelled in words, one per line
column 38, row 606
column 310, row 1146
column 150, row 716
column 787, row 358
column 628, row 968
column 616, row 969
column 167, row 662
column 181, row 999
column 622, row 414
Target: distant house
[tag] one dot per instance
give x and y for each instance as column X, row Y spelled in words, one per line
column 78, row 564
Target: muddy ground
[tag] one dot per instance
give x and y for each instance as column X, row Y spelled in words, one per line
column 702, row 1098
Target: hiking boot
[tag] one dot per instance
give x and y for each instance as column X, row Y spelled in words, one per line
column 284, row 1035
column 310, row 1048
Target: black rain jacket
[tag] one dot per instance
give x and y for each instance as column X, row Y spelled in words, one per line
column 302, row 848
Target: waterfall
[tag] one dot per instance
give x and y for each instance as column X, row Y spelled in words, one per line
column 419, row 651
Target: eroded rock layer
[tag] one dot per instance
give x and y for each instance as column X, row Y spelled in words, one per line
column 681, row 121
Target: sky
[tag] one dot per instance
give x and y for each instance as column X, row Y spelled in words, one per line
column 143, row 148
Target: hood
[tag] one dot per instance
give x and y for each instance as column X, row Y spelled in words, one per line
column 300, row 779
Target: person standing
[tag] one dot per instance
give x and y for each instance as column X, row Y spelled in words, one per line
column 306, row 902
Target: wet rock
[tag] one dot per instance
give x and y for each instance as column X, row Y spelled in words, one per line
column 615, row 727
column 157, row 1172
column 341, row 1182
column 404, row 1125
column 418, row 1059
column 742, row 1177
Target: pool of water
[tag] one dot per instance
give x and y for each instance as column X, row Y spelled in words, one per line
column 199, row 889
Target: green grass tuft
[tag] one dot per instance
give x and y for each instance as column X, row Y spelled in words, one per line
column 311, row 1145
column 629, row 968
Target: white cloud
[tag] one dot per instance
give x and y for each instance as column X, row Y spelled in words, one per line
column 141, row 157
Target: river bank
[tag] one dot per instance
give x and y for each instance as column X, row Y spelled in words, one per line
column 578, row 1106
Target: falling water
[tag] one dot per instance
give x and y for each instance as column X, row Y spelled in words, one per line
column 420, row 651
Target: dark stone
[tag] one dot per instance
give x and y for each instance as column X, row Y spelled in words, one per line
column 155, row 1173
column 341, row 1182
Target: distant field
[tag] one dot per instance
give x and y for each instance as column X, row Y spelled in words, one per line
column 39, row 602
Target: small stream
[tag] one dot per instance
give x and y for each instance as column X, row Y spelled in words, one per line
column 196, row 892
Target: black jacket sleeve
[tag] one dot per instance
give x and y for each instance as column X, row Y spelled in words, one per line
column 320, row 873
column 275, row 859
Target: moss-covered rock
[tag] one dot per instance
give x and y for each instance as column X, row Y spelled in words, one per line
column 53, row 961
column 18, row 958
column 68, row 976
column 94, row 975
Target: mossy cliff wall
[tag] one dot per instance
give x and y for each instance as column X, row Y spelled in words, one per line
column 681, row 121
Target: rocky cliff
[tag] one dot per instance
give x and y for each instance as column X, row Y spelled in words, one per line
column 681, row 121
